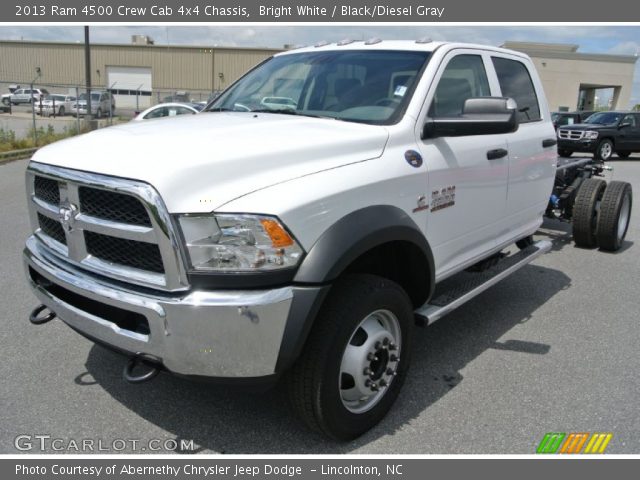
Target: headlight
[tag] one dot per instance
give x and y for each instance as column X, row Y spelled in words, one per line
column 238, row 243
column 590, row 134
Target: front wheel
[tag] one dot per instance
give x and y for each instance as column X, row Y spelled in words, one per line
column 61, row 112
column 565, row 153
column 99, row 113
column 605, row 150
column 355, row 359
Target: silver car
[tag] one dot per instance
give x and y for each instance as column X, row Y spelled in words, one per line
column 101, row 104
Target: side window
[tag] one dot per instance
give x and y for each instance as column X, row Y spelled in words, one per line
column 515, row 82
column 630, row 119
column 464, row 77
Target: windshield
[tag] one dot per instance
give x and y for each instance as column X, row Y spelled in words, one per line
column 604, row 118
column 95, row 97
column 360, row 86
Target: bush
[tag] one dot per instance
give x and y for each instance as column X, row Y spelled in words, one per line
column 9, row 142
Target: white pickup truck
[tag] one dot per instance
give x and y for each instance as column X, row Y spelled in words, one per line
column 298, row 240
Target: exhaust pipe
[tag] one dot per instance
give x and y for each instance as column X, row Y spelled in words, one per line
column 35, row 319
column 128, row 375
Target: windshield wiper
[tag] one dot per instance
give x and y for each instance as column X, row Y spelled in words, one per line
column 286, row 111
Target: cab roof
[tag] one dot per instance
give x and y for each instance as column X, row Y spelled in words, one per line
column 399, row 45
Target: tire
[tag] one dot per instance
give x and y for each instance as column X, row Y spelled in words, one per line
column 99, row 113
column 364, row 316
column 565, row 153
column 605, row 150
column 623, row 154
column 614, row 216
column 61, row 112
column 585, row 212
column 6, row 101
column 525, row 242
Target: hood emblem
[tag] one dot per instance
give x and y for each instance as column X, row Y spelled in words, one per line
column 67, row 215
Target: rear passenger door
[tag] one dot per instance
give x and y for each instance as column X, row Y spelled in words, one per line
column 629, row 134
column 467, row 190
column 532, row 150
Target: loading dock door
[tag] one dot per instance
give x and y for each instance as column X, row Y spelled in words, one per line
column 129, row 83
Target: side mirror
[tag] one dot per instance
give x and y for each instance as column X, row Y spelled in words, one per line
column 480, row 116
column 624, row 124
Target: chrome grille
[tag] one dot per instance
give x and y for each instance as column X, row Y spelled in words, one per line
column 570, row 134
column 113, row 206
column 114, row 227
column 130, row 253
column 52, row 228
column 47, row 190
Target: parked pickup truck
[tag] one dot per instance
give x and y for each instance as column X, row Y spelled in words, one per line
column 257, row 242
column 603, row 134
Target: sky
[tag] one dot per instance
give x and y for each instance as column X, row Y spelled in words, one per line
column 623, row 40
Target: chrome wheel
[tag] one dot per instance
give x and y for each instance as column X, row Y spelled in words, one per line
column 370, row 361
column 606, row 150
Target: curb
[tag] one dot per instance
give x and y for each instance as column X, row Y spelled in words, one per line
column 7, row 157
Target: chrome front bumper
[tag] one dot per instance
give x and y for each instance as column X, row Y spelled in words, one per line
column 228, row 334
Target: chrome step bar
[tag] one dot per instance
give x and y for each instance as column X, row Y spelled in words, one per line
column 462, row 287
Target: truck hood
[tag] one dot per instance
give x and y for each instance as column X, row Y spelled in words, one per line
column 587, row 126
column 200, row 162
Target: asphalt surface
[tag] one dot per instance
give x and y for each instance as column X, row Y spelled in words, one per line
column 553, row 348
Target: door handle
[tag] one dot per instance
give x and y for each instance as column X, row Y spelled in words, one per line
column 497, row 153
column 549, row 142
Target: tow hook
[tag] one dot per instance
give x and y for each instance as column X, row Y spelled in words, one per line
column 35, row 319
column 127, row 373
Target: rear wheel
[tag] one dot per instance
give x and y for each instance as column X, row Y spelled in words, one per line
column 615, row 212
column 356, row 358
column 565, row 153
column 6, row 101
column 585, row 212
column 605, row 150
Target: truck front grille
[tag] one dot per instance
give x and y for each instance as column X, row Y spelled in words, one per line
column 113, row 206
column 114, row 227
column 130, row 253
column 52, row 228
column 570, row 134
column 47, row 190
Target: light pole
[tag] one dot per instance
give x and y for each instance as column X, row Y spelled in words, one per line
column 33, row 107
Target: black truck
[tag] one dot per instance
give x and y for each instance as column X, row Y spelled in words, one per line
column 603, row 134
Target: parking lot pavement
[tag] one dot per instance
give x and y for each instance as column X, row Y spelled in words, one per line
column 554, row 348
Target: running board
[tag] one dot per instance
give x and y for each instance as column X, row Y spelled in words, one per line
column 462, row 287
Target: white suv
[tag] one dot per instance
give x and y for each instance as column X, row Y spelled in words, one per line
column 27, row 95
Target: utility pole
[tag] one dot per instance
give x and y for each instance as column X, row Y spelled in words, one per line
column 33, row 107
column 87, row 69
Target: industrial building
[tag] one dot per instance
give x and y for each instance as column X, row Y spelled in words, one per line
column 142, row 73
column 571, row 79
column 139, row 74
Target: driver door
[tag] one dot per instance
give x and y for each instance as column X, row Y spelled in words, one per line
column 467, row 175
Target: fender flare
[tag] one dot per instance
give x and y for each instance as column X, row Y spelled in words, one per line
column 341, row 244
column 355, row 234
